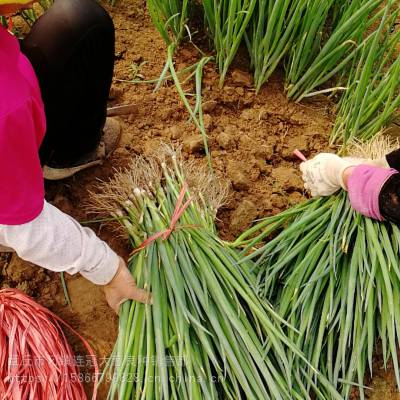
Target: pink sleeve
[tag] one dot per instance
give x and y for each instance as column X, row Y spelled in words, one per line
column 364, row 186
column 21, row 179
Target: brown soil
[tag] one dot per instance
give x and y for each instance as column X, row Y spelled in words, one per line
column 383, row 384
column 251, row 139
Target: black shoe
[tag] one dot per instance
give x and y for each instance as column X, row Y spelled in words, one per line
column 108, row 143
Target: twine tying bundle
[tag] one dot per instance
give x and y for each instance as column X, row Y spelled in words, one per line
column 180, row 208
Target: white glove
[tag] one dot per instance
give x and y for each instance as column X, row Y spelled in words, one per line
column 323, row 175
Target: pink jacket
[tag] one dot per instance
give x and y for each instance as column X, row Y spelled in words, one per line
column 22, row 128
column 37, row 231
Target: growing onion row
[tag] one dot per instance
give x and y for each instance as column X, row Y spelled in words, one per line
column 309, row 38
column 227, row 21
column 271, row 34
column 372, row 95
column 170, row 20
column 330, row 46
column 309, row 68
column 169, row 17
column 207, row 334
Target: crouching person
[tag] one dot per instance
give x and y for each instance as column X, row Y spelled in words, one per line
column 54, row 89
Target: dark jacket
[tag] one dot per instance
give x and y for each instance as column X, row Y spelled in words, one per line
column 389, row 197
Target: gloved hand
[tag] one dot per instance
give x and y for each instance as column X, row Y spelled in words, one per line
column 123, row 287
column 323, row 175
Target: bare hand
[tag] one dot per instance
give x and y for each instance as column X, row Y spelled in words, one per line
column 123, row 287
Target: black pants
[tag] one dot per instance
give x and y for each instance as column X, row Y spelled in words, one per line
column 71, row 48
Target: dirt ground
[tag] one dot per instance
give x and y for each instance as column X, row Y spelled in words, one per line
column 251, row 139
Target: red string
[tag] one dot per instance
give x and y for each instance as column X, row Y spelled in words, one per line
column 180, row 208
column 36, row 360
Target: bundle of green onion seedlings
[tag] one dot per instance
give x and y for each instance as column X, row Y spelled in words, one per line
column 313, row 62
column 207, row 335
column 334, row 275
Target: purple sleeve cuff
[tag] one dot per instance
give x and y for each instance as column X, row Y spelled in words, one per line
column 365, row 185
